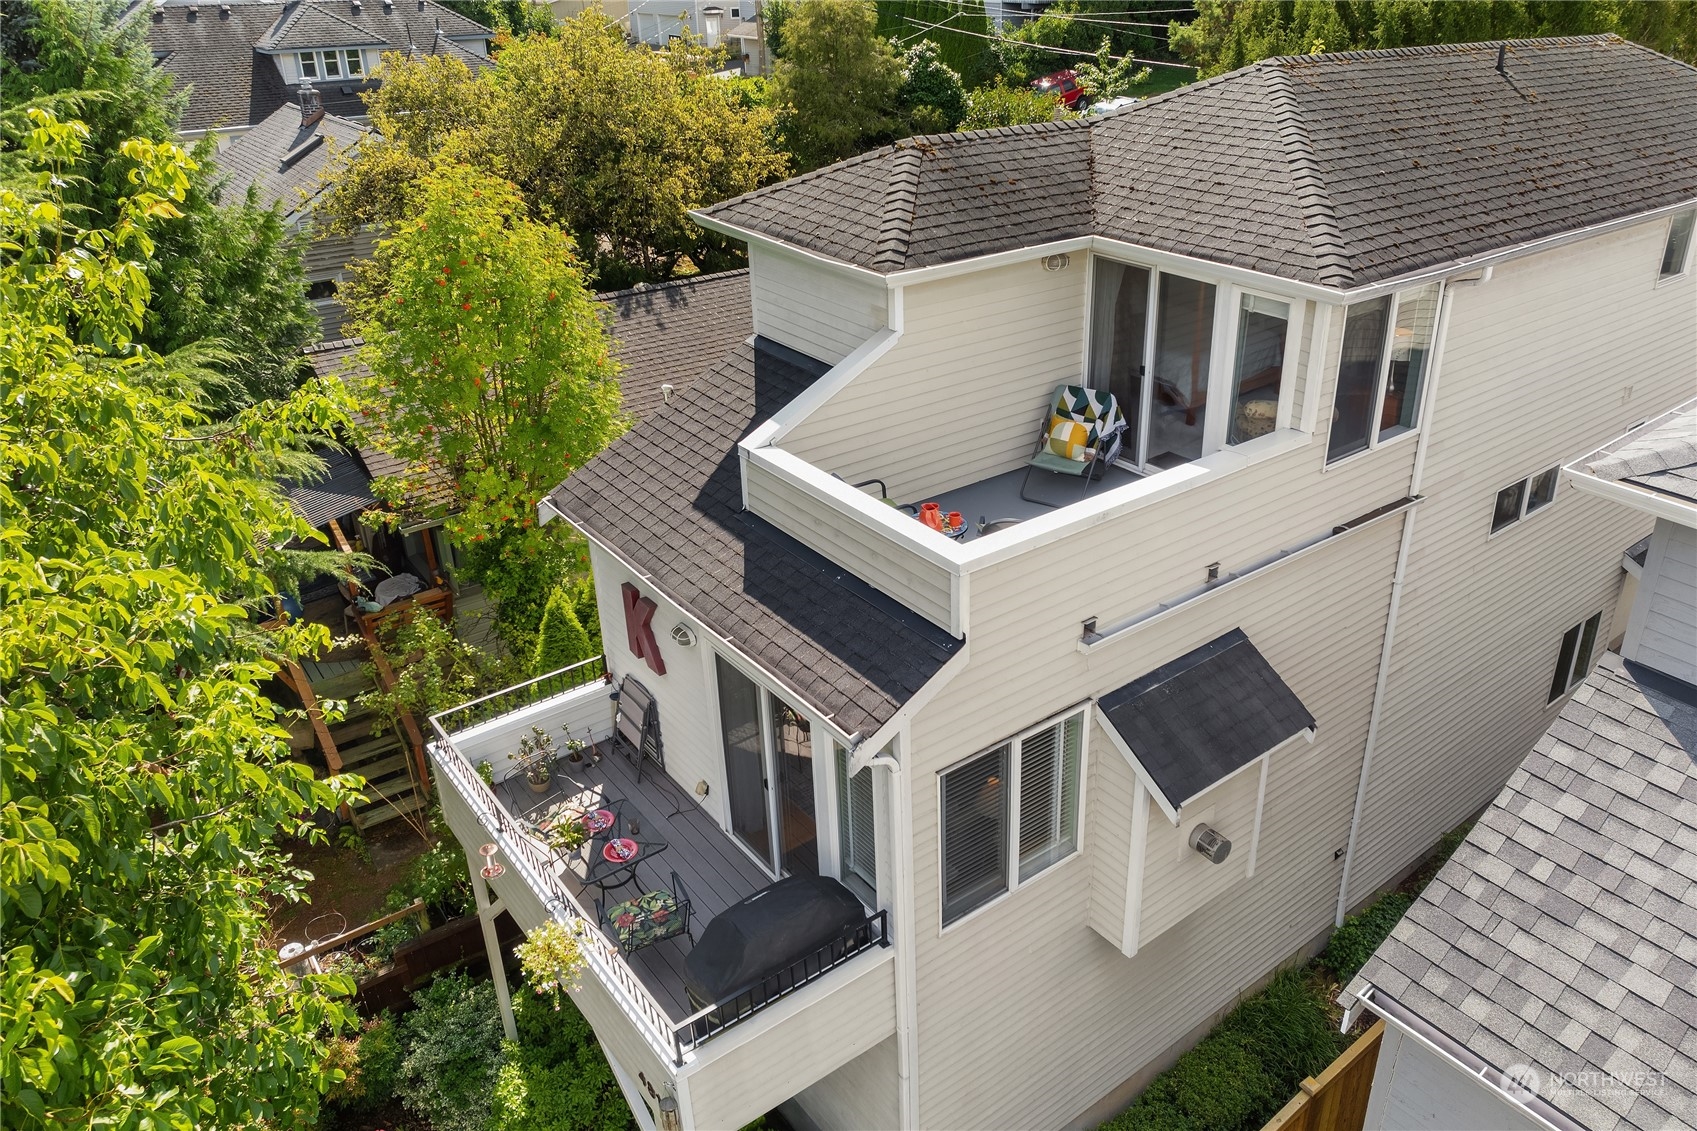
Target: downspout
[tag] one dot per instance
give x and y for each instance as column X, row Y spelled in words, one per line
column 1429, row 397
column 906, row 963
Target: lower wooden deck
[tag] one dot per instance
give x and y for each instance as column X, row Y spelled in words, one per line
column 715, row 871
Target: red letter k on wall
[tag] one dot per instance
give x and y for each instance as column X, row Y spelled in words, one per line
column 639, row 628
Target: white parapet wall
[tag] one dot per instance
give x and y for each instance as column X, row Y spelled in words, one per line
column 583, row 713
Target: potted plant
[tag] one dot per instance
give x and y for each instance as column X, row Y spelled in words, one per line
column 552, row 958
column 574, row 747
column 536, row 758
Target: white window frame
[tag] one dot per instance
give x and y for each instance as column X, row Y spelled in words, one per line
column 1376, row 438
column 353, row 63
column 1013, row 883
column 1577, row 670
column 834, row 854
column 1684, row 268
column 302, row 59
column 1227, row 309
column 1527, row 510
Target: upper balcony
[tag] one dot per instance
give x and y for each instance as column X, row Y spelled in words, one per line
column 812, row 1011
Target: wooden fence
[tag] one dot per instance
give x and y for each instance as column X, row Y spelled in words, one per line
column 1335, row 1100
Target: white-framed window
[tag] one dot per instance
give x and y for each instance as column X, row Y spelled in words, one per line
column 355, row 61
column 1573, row 662
column 308, row 64
column 1387, row 352
column 1010, row 813
column 1676, row 253
column 857, row 839
column 1524, row 497
column 331, row 64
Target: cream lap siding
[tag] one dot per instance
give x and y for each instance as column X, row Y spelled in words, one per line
column 620, row 1040
column 1026, row 1015
column 1663, row 630
column 859, row 1096
column 1107, row 833
column 1414, row 1088
column 874, row 557
column 960, row 397
column 1178, row 880
column 823, row 313
column 1555, row 355
column 751, row 1069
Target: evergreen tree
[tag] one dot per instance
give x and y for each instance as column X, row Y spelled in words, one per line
column 837, row 82
column 931, row 92
column 562, row 640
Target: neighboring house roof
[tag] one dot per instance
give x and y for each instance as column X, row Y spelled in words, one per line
column 284, row 160
column 1660, row 457
column 667, row 497
column 670, row 333
column 1563, row 932
column 1196, row 721
column 1337, row 169
column 218, row 49
column 344, row 489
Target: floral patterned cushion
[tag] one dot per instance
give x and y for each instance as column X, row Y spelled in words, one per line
column 646, row 919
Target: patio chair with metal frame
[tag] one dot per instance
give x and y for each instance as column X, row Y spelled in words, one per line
column 651, row 917
column 1080, row 437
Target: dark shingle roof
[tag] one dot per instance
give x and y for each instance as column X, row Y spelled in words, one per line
column 670, row 333
column 1661, row 457
column 667, row 497
column 1563, row 932
column 1340, row 169
column 1204, row 716
column 217, row 48
column 344, row 489
column 283, row 160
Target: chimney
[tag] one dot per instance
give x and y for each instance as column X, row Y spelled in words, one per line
column 312, row 109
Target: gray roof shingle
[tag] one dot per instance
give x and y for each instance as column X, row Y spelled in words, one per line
column 1339, row 169
column 668, row 497
column 670, row 333
column 1662, row 457
column 1564, row 928
column 285, row 161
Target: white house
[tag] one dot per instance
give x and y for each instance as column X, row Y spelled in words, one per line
column 1547, row 978
column 1100, row 765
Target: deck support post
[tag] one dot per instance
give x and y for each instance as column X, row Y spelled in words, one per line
column 492, row 946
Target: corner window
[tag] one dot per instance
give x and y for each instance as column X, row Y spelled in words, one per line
column 1387, row 352
column 1573, row 663
column 1518, row 500
column 1010, row 813
column 1678, row 248
column 856, row 831
column 356, row 63
column 1259, row 367
column 309, row 64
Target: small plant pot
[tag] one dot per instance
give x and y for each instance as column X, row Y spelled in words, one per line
column 537, row 786
column 575, row 758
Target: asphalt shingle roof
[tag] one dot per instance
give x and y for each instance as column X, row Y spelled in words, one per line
column 216, row 48
column 343, row 489
column 1660, row 458
column 667, row 497
column 670, row 333
column 1340, row 169
column 283, row 160
column 1204, row 716
column 1563, row 932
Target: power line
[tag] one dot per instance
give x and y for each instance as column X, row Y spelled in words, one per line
column 1044, row 48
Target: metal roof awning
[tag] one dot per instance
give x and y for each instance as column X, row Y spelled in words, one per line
column 344, row 490
column 1192, row 723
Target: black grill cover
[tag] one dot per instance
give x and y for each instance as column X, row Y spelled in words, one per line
column 766, row 932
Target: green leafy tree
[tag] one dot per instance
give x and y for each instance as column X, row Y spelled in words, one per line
column 615, row 143
column 931, row 92
column 1107, row 77
column 433, row 668
column 588, row 613
column 1056, row 39
column 999, row 105
column 561, row 640
column 145, row 779
column 224, row 274
column 555, row 1076
column 837, row 82
column 515, row 17
column 959, row 28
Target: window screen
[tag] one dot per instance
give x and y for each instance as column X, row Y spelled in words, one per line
column 1573, row 662
column 856, row 832
column 1411, row 356
column 1543, row 489
column 1358, row 377
column 309, row 64
column 356, row 64
column 1679, row 244
column 332, row 65
column 975, row 833
column 1509, row 501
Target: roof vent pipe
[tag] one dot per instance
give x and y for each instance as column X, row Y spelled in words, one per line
column 1502, row 53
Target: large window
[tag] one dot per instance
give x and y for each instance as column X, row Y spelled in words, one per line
column 1184, row 341
column 856, row 830
column 1677, row 250
column 1259, row 367
column 1573, row 663
column 1010, row 813
column 1387, row 352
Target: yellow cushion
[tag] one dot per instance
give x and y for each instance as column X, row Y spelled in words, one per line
column 1069, row 439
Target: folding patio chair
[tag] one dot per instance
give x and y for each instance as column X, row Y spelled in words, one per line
column 1081, row 436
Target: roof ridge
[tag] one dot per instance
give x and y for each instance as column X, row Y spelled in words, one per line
column 1482, row 45
column 1319, row 218
column 650, row 288
column 901, row 195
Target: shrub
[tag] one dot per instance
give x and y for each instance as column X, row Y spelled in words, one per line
column 1352, row 944
column 438, row 876
column 453, row 1049
column 1244, row 1071
column 370, row 1062
column 561, row 639
column 555, row 1077
column 583, row 603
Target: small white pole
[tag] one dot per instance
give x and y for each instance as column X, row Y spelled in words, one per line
column 492, row 946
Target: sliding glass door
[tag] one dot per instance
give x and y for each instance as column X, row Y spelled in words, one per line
column 1118, row 342
column 766, row 741
column 745, row 759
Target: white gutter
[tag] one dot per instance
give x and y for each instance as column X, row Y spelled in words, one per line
column 1426, row 421
column 1639, row 498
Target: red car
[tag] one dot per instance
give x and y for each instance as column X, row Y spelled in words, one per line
column 1063, row 83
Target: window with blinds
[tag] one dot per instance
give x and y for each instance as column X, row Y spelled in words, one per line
column 856, row 832
column 1017, row 804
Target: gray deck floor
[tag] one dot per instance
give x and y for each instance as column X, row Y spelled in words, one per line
column 998, row 497
column 715, row 871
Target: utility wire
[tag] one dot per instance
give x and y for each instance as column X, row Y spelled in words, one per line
column 1048, row 49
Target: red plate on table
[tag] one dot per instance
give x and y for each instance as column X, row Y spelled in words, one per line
column 598, row 821
column 620, row 850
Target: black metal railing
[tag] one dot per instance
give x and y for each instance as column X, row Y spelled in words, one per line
column 735, row 1008
column 510, row 699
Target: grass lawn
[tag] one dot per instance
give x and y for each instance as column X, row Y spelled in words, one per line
column 1163, row 79
column 1253, row 1061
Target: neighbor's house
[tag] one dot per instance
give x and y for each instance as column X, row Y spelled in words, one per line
column 1547, row 977
column 242, row 60
column 715, row 23
column 1360, row 309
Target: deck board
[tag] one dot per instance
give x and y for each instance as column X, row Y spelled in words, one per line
column 715, row 871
